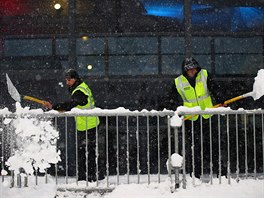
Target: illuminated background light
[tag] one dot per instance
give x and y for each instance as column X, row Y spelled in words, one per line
column 89, row 67
column 57, row 6
column 85, row 38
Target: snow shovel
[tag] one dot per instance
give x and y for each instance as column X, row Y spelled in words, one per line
column 16, row 96
column 258, row 91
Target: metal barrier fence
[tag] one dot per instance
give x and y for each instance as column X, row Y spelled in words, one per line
column 133, row 146
column 234, row 141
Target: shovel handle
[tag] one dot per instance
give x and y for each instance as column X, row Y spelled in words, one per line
column 225, row 103
column 33, row 99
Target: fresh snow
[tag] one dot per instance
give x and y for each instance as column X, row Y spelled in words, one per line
column 249, row 188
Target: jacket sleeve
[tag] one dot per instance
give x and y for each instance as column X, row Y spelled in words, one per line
column 78, row 98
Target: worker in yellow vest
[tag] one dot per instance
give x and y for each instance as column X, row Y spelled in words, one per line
column 81, row 98
column 195, row 88
column 192, row 87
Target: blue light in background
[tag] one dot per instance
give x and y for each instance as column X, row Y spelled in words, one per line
column 232, row 18
column 250, row 16
column 172, row 10
column 165, row 11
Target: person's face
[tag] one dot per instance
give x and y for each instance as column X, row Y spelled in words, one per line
column 191, row 72
column 70, row 81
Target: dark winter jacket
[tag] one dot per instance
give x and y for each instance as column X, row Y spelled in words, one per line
column 78, row 98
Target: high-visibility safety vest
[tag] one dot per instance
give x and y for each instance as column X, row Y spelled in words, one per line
column 84, row 123
column 193, row 97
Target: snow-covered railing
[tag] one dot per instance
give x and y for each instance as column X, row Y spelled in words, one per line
column 240, row 133
column 124, row 137
column 136, row 145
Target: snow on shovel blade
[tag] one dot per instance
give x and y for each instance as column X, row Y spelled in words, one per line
column 12, row 90
column 16, row 96
column 258, row 86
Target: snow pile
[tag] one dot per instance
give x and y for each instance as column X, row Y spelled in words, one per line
column 35, row 143
column 176, row 160
column 175, row 120
column 42, row 190
column 258, row 86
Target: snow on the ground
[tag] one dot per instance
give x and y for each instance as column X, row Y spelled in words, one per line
column 42, row 190
column 249, row 188
column 243, row 189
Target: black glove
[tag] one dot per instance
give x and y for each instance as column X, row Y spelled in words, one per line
column 221, row 101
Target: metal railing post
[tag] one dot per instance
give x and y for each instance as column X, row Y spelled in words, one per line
column 128, row 167
column 246, row 154
column 12, row 183
column 193, row 148
column 254, row 146
column 176, row 143
column 19, row 184
column 228, row 149
column 158, row 134
column 169, row 148
column 107, row 155
column 219, row 149
column 237, row 151
column 138, row 162
column 97, row 153
column 211, row 150
column 56, row 165
column 184, row 157
column 117, row 151
column 26, row 180
column 148, row 151
column 86, row 153
column 66, row 150
column 2, row 152
column 202, row 159
column 76, row 154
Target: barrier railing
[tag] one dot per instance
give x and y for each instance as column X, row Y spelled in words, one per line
column 134, row 146
column 232, row 145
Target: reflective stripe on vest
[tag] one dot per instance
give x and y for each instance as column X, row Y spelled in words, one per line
column 86, row 91
column 84, row 123
column 198, row 96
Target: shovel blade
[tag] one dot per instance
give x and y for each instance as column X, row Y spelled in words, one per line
column 12, row 90
column 258, row 86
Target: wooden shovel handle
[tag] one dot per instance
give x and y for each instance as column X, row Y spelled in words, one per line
column 220, row 105
column 33, row 99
